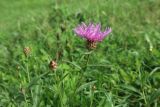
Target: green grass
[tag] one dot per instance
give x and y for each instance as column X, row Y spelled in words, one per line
column 123, row 71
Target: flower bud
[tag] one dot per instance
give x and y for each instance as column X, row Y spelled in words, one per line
column 91, row 44
column 27, row 51
column 53, row 65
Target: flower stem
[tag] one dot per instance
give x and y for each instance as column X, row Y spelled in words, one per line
column 87, row 61
column 28, row 75
column 83, row 70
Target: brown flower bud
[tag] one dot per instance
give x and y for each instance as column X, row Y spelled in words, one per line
column 27, row 51
column 53, row 65
column 91, row 44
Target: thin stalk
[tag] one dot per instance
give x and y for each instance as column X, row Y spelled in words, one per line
column 86, row 65
column 87, row 61
column 92, row 95
column 23, row 92
column 58, row 83
column 83, row 70
column 25, row 99
column 28, row 75
column 144, row 97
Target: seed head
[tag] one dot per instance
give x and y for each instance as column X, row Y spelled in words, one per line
column 53, row 65
column 27, row 51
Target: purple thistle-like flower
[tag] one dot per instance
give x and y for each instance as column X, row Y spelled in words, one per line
column 91, row 32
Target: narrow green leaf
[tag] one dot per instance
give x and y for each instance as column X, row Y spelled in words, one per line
column 85, row 86
column 155, row 95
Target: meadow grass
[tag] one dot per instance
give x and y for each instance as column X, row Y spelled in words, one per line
column 123, row 71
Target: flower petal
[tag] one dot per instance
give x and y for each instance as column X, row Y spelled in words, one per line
column 91, row 32
column 106, row 32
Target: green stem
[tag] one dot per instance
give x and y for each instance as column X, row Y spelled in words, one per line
column 24, row 94
column 28, row 75
column 25, row 99
column 91, row 103
column 84, row 69
column 86, row 65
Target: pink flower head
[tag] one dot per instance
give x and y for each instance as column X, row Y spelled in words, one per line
column 91, row 32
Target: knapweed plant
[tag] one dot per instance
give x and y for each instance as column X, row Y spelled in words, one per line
column 93, row 34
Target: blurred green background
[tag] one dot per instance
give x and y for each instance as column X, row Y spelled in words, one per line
column 123, row 71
